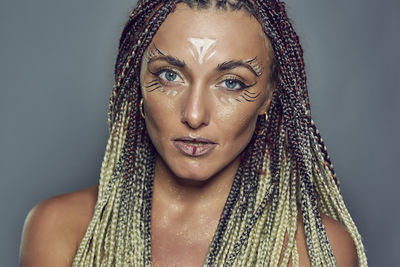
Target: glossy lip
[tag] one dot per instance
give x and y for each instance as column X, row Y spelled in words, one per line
column 204, row 147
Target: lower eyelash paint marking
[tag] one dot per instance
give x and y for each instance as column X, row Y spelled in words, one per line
column 153, row 83
column 251, row 96
column 154, row 89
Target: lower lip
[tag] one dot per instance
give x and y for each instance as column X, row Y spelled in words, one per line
column 194, row 150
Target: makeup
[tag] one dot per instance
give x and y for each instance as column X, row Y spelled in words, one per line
column 223, row 100
column 194, row 147
column 152, row 52
column 250, row 64
column 248, row 96
column 228, row 100
column 171, row 92
column 202, row 48
column 255, row 65
column 153, row 85
column 233, row 101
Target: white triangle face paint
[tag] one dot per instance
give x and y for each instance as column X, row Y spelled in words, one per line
column 202, row 48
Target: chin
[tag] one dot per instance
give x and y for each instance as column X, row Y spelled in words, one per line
column 202, row 170
column 192, row 173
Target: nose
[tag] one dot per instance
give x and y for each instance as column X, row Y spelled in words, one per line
column 196, row 113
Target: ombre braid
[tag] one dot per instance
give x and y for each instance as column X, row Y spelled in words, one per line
column 285, row 167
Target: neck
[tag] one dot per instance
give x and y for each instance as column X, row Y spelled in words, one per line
column 189, row 193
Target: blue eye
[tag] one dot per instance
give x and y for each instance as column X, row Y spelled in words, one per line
column 231, row 84
column 169, row 75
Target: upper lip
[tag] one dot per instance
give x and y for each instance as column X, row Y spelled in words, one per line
column 196, row 139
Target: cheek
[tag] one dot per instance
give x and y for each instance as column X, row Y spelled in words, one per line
column 238, row 121
column 160, row 116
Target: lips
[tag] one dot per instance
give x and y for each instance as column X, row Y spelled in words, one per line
column 194, row 147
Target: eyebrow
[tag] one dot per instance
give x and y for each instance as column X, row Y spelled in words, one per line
column 171, row 60
column 251, row 64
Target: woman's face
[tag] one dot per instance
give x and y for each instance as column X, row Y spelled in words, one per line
column 204, row 80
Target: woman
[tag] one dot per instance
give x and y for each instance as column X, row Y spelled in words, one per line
column 212, row 158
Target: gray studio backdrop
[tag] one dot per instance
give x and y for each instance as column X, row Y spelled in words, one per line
column 56, row 73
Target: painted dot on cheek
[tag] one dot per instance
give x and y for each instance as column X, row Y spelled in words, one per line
column 172, row 92
column 232, row 101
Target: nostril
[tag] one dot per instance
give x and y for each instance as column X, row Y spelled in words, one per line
column 195, row 119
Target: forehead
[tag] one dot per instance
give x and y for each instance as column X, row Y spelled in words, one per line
column 237, row 34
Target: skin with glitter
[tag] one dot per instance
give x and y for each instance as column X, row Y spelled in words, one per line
column 219, row 93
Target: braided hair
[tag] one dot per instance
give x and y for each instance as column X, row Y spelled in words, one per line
column 285, row 167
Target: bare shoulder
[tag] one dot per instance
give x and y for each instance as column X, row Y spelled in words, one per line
column 340, row 239
column 53, row 229
column 342, row 243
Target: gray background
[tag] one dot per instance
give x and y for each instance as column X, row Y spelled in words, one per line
column 56, row 73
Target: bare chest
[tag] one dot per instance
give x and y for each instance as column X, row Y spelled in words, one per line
column 182, row 242
column 187, row 244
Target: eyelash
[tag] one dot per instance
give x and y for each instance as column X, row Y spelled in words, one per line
column 241, row 84
column 163, row 81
